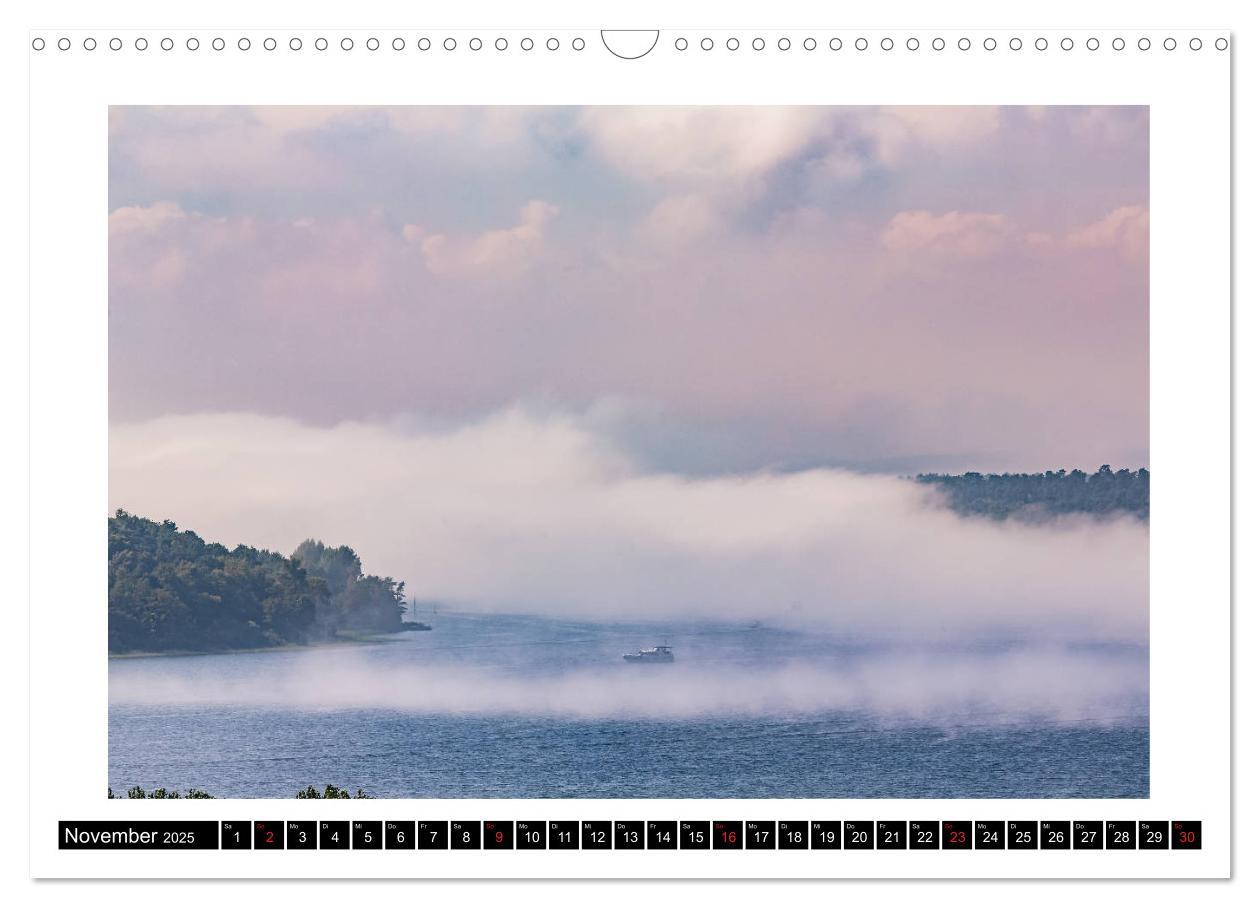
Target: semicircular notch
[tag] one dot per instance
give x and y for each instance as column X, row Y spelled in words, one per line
column 630, row 43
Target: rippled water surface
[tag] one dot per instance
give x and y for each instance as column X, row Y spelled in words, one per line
column 517, row 706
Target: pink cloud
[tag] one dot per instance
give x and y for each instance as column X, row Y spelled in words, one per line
column 501, row 247
column 1125, row 229
column 963, row 234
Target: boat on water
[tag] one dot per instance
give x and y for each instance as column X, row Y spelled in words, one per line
column 660, row 653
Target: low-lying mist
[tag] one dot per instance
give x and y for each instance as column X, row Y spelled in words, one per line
column 543, row 514
column 1041, row 684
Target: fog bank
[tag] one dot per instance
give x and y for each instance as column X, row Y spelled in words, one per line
column 1042, row 684
column 542, row 513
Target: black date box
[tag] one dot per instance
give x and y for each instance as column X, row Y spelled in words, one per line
column 432, row 835
column 1056, row 835
column 497, row 835
column 891, row 834
column 1021, row 835
column 859, row 834
column 728, row 834
column 759, row 835
column 563, row 835
column 597, row 834
column 1121, row 834
column 629, row 834
column 694, row 835
column 236, row 834
column 925, row 834
column 1153, row 834
column 1087, row 835
column 531, row 835
column 367, row 835
column 793, row 835
column 300, row 834
column 400, row 834
column 268, row 835
column 1187, row 834
column 466, row 834
column 956, row 835
column 334, row 835
column 990, row 835
column 826, row 834
column 662, row 834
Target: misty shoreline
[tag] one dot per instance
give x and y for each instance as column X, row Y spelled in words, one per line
column 364, row 640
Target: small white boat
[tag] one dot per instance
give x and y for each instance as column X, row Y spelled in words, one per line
column 660, row 653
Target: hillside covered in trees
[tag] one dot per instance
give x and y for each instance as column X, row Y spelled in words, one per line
column 171, row 590
column 1039, row 496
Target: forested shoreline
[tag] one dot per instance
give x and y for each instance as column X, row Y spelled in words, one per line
column 1034, row 497
column 171, row 591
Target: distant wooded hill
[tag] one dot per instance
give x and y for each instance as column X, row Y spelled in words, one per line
column 1038, row 496
column 171, row 590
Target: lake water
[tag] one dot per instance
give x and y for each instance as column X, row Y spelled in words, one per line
column 528, row 707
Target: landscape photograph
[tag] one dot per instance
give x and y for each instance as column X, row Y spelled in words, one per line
column 628, row 452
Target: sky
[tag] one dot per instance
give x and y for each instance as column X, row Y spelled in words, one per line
column 722, row 289
column 516, row 355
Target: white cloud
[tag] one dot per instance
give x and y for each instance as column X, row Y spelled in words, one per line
column 679, row 220
column 701, row 144
column 143, row 218
column 1126, row 229
column 499, row 247
column 958, row 234
column 899, row 132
